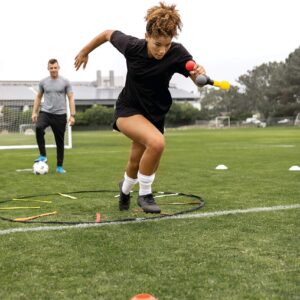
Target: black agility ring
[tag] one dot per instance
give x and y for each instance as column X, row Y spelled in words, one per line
column 199, row 204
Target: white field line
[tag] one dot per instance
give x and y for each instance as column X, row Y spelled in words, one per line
column 183, row 216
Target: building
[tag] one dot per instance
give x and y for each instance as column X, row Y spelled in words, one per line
column 104, row 91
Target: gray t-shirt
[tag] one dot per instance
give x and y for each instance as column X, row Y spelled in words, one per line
column 55, row 91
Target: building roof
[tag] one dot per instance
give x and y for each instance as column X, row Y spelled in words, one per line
column 86, row 93
column 13, row 92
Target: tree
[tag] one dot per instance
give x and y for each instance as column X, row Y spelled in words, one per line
column 95, row 116
column 181, row 114
column 271, row 90
column 215, row 102
column 289, row 97
column 259, row 90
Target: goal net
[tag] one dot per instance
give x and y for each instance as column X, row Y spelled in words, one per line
column 222, row 121
column 17, row 130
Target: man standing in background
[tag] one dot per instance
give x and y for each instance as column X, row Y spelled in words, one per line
column 53, row 112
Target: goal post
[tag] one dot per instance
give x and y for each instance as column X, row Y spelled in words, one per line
column 17, row 130
column 222, row 122
column 297, row 120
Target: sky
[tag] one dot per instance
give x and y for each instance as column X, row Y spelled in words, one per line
column 229, row 38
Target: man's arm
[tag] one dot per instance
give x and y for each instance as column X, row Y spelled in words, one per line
column 36, row 106
column 72, row 108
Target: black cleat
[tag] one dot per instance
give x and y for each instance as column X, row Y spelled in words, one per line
column 147, row 203
column 124, row 200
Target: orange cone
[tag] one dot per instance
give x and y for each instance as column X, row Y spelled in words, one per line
column 143, row 297
column 98, row 218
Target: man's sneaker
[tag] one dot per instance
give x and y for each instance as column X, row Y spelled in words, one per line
column 124, row 200
column 147, row 203
column 60, row 170
column 41, row 158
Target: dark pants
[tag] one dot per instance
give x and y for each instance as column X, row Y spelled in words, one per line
column 58, row 125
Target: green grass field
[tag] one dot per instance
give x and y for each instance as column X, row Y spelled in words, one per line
column 250, row 255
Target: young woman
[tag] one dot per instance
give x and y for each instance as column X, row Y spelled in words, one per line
column 145, row 99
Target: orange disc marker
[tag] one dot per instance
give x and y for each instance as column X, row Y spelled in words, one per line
column 143, row 297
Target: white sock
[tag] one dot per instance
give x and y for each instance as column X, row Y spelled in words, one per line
column 128, row 184
column 145, row 183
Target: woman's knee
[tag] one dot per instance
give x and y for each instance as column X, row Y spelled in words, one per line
column 157, row 144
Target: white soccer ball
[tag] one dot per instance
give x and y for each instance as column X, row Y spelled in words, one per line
column 40, row 168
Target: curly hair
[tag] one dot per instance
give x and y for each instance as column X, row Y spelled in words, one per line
column 163, row 20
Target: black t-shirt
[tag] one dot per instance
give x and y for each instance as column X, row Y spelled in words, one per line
column 147, row 79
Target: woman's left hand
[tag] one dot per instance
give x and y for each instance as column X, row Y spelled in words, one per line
column 198, row 70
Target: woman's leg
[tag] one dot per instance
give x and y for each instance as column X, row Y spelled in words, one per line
column 136, row 153
column 130, row 176
column 148, row 144
column 147, row 148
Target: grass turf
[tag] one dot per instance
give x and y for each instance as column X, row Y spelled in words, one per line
column 249, row 256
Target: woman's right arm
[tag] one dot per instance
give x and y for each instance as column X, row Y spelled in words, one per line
column 83, row 56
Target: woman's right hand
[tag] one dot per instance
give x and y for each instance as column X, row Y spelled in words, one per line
column 80, row 59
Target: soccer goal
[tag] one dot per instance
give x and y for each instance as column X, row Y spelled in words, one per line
column 297, row 120
column 17, row 130
column 222, row 122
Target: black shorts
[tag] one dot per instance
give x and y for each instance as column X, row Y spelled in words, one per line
column 124, row 111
